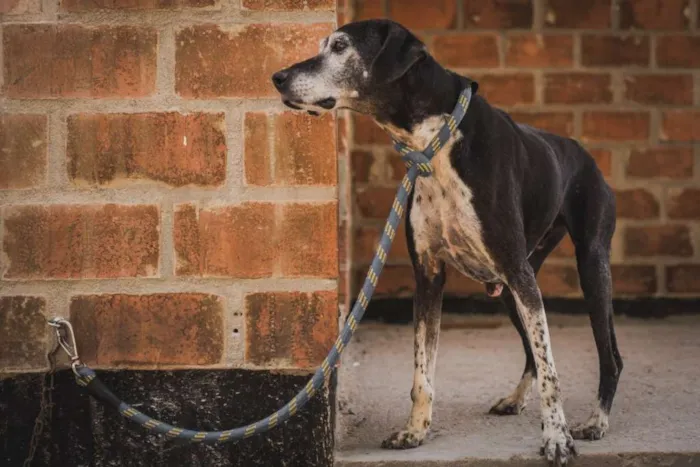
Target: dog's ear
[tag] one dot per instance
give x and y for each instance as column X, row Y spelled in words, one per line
column 399, row 52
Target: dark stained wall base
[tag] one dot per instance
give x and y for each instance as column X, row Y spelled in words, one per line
column 83, row 432
column 400, row 310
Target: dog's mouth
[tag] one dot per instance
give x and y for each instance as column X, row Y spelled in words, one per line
column 326, row 104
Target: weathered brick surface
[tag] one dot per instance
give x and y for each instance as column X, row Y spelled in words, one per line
column 217, row 61
column 678, row 51
column 560, row 123
column 256, row 240
column 614, row 51
column 419, row 14
column 558, row 280
column 466, row 50
column 615, row 126
column 683, row 203
column 23, row 333
column 659, row 89
column 603, row 159
column 290, row 329
column 22, row 150
column 173, row 148
column 538, row 50
column 92, row 5
column 634, row 280
column 18, row 7
column 80, row 241
column 509, row 89
column 661, row 162
column 654, row 14
column 683, row 278
column 577, row 88
column 159, row 329
column 665, row 240
column 496, row 14
column 288, row 5
column 680, row 125
column 636, row 203
column 588, row 14
column 74, row 61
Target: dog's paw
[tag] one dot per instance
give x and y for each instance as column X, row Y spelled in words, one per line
column 558, row 446
column 588, row 432
column 507, row 406
column 403, row 439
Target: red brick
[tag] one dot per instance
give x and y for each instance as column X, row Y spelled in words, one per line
column 603, row 159
column 680, row 125
column 661, row 162
column 289, row 5
column 683, row 203
column 22, row 150
column 173, row 148
column 362, row 162
column 257, row 152
column 497, row 14
column 368, row 132
column 633, row 280
column 18, row 7
column 75, row 61
column 419, row 14
column 291, row 240
column 659, row 89
column 615, row 126
column 615, row 51
column 678, row 51
column 367, row 238
column 653, row 14
column 510, row 89
column 565, row 249
column 538, row 50
column 683, row 278
column 304, row 150
column 397, row 281
column 577, row 88
column 560, row 123
column 459, row 285
column 374, row 202
column 368, row 9
column 588, row 14
column 636, row 203
column 213, row 61
column 466, row 50
column 147, row 330
column 81, row 241
column 23, row 333
column 558, row 281
column 290, row 329
column 658, row 240
column 91, row 5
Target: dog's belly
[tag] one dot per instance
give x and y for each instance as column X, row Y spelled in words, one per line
column 446, row 227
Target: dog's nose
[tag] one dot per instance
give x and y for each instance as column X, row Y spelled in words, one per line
column 279, row 78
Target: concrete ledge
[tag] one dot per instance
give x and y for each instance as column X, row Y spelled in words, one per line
column 655, row 418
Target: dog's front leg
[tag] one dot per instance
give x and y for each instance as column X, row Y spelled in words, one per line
column 557, row 444
column 427, row 308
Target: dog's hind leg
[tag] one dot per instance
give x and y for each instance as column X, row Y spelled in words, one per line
column 592, row 223
column 516, row 401
column 427, row 308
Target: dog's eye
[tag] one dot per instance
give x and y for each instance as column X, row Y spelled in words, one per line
column 338, row 46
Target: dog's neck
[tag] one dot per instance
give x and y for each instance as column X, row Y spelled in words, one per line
column 413, row 110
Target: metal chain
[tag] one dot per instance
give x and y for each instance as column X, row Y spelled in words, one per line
column 43, row 419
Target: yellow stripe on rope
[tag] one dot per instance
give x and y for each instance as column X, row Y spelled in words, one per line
column 174, row 432
column 293, row 406
column 225, row 435
column 151, row 423
column 372, row 277
column 389, row 231
column 273, row 420
column 200, row 436
column 249, row 430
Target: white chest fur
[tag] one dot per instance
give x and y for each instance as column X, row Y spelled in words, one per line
column 445, row 225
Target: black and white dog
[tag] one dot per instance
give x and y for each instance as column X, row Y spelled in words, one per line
column 500, row 199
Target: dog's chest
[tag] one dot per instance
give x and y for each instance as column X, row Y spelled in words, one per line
column 444, row 222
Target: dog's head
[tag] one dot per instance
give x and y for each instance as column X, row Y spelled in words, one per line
column 355, row 64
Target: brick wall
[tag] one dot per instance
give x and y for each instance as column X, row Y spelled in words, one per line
column 621, row 76
column 154, row 189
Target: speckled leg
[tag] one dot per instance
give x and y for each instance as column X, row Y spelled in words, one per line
column 427, row 308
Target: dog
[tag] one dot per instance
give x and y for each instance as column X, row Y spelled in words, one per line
column 501, row 197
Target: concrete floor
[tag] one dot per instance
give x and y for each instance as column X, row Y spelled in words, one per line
column 655, row 418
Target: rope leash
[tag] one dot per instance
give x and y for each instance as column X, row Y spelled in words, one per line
column 418, row 164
